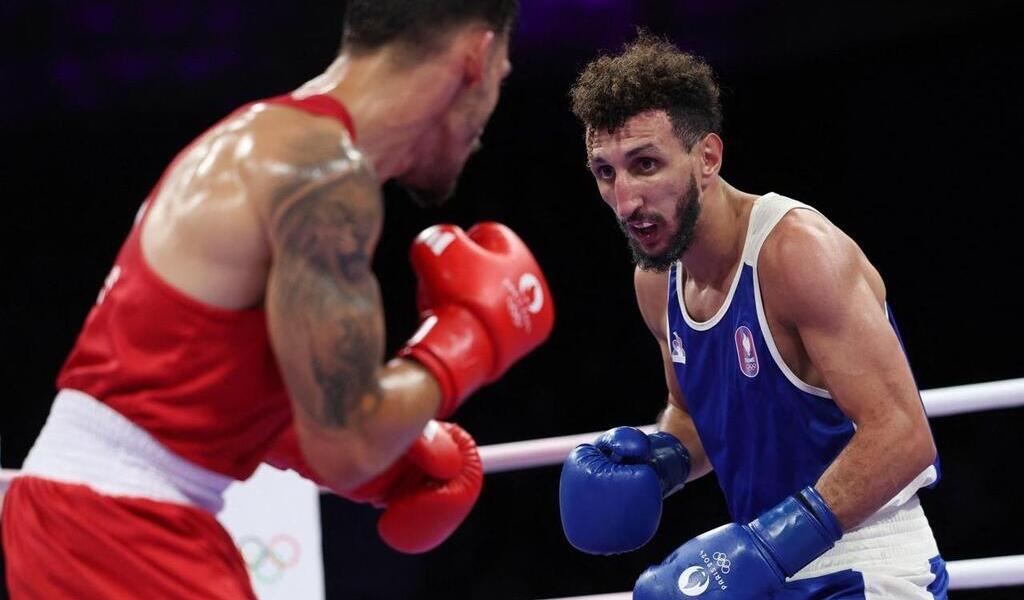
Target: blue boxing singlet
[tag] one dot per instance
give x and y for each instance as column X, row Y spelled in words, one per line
column 769, row 434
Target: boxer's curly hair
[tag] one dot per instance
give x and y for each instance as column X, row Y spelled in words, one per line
column 651, row 73
column 418, row 25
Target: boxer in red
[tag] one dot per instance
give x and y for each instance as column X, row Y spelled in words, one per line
column 241, row 323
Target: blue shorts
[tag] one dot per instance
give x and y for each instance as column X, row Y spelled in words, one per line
column 855, row 585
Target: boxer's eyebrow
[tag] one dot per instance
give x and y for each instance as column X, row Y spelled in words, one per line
column 593, row 159
column 641, row 149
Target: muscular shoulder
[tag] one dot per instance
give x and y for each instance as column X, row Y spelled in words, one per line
column 808, row 267
column 302, row 161
column 652, row 298
column 289, row 145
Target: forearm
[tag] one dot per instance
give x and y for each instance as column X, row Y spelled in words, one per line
column 406, row 397
column 878, row 462
column 353, row 415
column 410, row 397
column 677, row 422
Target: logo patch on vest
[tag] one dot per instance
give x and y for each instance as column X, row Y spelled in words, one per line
column 678, row 353
column 746, row 352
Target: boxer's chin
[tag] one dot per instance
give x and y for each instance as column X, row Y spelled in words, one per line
column 433, row 183
column 429, row 197
column 431, row 191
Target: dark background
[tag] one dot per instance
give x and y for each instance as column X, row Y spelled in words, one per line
column 900, row 120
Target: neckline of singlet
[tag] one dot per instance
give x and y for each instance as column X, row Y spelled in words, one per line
column 320, row 104
column 727, row 303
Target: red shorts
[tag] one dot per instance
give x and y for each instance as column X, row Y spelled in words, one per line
column 66, row 541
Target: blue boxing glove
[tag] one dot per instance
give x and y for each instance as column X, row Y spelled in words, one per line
column 746, row 561
column 610, row 491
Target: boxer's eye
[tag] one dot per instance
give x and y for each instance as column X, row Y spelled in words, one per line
column 604, row 172
column 646, row 165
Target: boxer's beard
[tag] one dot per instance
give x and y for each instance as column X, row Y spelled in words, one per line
column 436, row 193
column 687, row 212
column 433, row 192
column 430, row 197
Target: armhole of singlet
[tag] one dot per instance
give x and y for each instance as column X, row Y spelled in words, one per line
column 318, row 105
column 769, row 210
column 163, row 286
column 143, row 211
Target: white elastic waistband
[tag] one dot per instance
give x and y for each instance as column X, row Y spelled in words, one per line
column 894, row 540
column 85, row 441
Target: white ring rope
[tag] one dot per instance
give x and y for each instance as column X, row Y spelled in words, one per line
column 986, row 572
column 999, row 571
column 963, row 574
column 535, row 453
column 937, row 403
column 973, row 397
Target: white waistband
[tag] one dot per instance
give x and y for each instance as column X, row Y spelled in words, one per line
column 85, row 441
column 896, row 540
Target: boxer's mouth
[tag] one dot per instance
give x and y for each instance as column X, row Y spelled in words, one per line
column 643, row 231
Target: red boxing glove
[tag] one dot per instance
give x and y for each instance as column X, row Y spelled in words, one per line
column 428, row 492
column 484, row 302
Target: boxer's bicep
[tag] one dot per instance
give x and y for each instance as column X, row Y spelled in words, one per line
column 820, row 286
column 323, row 304
column 819, row 283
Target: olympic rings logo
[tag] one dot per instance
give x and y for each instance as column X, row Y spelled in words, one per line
column 268, row 561
column 722, row 560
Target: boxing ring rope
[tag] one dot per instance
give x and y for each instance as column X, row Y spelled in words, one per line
column 963, row 574
column 939, row 402
column 976, row 573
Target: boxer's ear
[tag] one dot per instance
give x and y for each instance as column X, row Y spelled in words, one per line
column 478, row 44
column 709, row 151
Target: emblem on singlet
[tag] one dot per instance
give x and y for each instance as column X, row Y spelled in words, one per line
column 746, row 352
column 678, row 352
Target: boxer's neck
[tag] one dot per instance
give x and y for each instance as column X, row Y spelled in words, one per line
column 720, row 235
column 391, row 106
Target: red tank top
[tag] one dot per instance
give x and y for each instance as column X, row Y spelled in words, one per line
column 202, row 380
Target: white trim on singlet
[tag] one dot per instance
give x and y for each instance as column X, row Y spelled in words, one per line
column 680, row 298
column 765, row 215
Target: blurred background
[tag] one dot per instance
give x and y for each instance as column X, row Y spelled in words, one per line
column 900, row 120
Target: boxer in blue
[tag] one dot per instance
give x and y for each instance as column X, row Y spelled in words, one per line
column 786, row 373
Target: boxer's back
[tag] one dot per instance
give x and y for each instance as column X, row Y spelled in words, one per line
column 177, row 342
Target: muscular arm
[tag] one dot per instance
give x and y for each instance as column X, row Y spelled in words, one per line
column 651, row 296
column 823, row 288
column 353, row 415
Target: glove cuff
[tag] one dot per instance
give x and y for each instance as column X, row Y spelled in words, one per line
column 453, row 345
column 671, row 460
column 449, row 395
column 797, row 530
column 813, row 500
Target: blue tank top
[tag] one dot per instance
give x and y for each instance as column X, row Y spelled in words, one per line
column 766, row 432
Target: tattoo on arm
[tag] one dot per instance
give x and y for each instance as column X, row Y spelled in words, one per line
column 323, row 303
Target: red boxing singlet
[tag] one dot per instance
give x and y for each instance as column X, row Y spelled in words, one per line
column 202, row 380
